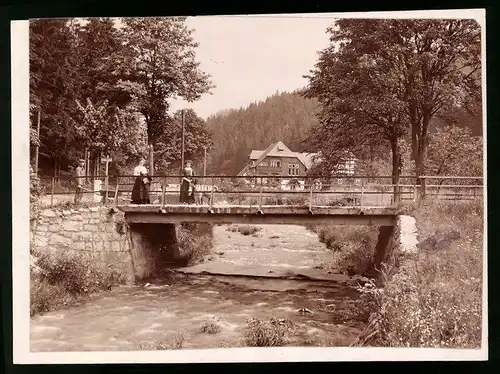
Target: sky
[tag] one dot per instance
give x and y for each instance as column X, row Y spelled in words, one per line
column 252, row 57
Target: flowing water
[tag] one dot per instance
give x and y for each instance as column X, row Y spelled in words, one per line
column 250, row 276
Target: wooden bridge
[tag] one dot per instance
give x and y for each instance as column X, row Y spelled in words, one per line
column 260, row 200
column 266, row 214
column 272, row 199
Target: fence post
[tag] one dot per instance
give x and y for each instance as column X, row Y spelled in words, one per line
column 311, row 195
column 163, row 190
column 423, row 188
column 116, row 190
column 53, row 182
column 211, row 192
column 362, row 193
column 260, row 194
column 397, row 195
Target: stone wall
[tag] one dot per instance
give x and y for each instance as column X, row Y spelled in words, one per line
column 138, row 251
column 96, row 232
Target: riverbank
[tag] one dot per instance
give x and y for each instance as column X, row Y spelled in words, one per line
column 433, row 299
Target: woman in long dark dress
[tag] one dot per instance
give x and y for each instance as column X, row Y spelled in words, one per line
column 140, row 191
column 187, row 179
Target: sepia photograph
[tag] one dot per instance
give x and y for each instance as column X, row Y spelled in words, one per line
column 282, row 187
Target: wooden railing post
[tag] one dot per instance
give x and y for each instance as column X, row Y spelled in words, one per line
column 211, row 192
column 163, row 190
column 415, row 191
column 311, row 195
column 53, row 182
column 362, row 192
column 116, row 190
column 260, row 194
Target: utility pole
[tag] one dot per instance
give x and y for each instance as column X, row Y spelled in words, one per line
column 205, row 161
column 38, row 142
column 182, row 142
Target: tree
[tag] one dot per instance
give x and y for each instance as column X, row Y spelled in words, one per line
column 157, row 63
column 359, row 105
column 197, row 138
column 105, row 127
column 454, row 151
column 99, row 45
column 433, row 65
column 54, row 84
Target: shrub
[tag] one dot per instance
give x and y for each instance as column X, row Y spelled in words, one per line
column 243, row 229
column 353, row 246
column 210, row 327
column 172, row 342
column 195, row 242
column 434, row 299
column 45, row 297
column 248, row 230
column 64, row 277
column 36, row 191
column 272, row 333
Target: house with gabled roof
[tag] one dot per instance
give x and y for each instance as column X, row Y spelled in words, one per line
column 279, row 161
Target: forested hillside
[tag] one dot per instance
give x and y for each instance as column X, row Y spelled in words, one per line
column 283, row 116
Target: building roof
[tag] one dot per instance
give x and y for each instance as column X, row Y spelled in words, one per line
column 279, row 149
column 306, row 158
column 254, row 155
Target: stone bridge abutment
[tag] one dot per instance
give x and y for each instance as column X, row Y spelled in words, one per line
column 100, row 233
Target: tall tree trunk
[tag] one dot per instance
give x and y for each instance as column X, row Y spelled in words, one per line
column 396, row 167
column 150, row 157
column 422, row 153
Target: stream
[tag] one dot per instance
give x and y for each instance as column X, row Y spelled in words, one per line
column 280, row 271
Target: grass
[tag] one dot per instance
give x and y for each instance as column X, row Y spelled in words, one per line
column 244, row 229
column 272, row 333
column 210, row 327
column 434, row 299
column 195, row 242
column 175, row 341
column 61, row 279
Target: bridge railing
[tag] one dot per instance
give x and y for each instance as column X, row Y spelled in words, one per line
column 260, row 190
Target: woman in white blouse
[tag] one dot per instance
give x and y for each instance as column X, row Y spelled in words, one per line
column 140, row 191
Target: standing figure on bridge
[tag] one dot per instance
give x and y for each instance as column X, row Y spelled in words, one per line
column 79, row 175
column 187, row 183
column 140, row 191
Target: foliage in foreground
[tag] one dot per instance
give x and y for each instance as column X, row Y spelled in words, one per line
column 61, row 279
column 195, row 242
column 435, row 298
column 244, row 229
column 353, row 247
column 272, row 333
column 175, row 341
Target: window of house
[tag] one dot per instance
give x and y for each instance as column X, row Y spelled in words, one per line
column 276, row 163
column 293, row 169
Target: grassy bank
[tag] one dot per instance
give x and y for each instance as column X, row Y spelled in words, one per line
column 58, row 280
column 434, row 299
column 352, row 247
column 195, row 242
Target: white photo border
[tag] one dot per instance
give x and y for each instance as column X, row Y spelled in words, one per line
column 21, row 258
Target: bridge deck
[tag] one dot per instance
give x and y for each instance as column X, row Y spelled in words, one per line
column 273, row 214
